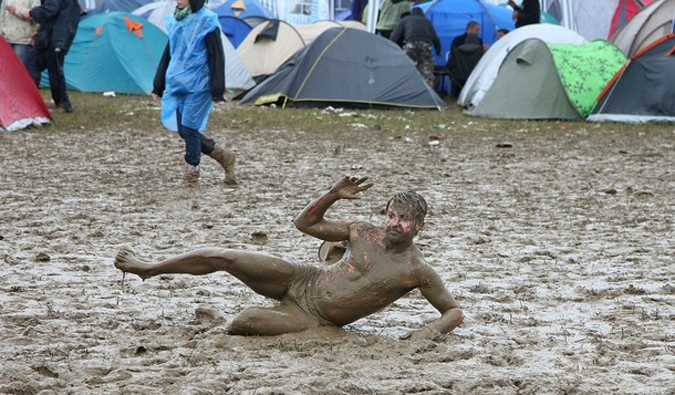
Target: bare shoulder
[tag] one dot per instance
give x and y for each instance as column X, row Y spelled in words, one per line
column 361, row 228
column 423, row 271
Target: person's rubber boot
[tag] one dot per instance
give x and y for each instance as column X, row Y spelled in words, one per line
column 67, row 105
column 226, row 159
column 191, row 174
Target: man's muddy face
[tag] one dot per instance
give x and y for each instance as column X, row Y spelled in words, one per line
column 400, row 223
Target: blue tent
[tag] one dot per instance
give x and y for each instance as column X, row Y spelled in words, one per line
column 243, row 9
column 450, row 17
column 114, row 51
column 235, row 29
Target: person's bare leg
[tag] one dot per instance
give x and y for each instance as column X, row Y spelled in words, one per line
column 264, row 274
column 270, row 321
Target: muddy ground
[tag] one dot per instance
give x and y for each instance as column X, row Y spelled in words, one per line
column 558, row 245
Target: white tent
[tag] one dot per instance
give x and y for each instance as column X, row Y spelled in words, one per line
column 590, row 18
column 154, row 12
column 485, row 72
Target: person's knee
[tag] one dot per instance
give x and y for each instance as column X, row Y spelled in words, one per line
column 251, row 321
column 262, row 321
column 187, row 133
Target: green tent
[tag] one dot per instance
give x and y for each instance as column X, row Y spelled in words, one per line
column 551, row 81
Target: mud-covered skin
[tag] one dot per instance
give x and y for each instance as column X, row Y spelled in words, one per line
column 382, row 266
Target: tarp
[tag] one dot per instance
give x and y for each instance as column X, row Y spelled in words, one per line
column 21, row 104
column 114, row 51
column 347, row 68
column 643, row 90
column 485, row 72
column 589, row 18
column 450, row 17
column 550, row 81
column 650, row 24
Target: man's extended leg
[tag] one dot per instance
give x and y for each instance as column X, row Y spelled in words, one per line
column 264, row 274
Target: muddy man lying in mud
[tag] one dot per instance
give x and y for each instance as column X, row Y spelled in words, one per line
column 381, row 265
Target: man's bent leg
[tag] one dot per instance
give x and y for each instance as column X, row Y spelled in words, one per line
column 265, row 274
column 261, row 321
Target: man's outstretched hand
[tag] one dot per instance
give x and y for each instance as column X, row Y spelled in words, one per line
column 424, row 333
column 347, row 187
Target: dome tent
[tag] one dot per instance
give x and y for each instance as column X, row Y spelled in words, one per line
column 21, row 104
column 350, row 68
column 550, row 81
column 644, row 89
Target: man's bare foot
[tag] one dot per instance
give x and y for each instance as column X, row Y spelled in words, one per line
column 126, row 261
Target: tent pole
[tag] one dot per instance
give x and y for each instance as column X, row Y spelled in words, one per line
column 373, row 9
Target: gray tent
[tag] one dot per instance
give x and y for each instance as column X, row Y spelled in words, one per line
column 644, row 90
column 349, row 68
column 550, row 81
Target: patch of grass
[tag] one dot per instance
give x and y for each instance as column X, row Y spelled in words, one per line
column 135, row 112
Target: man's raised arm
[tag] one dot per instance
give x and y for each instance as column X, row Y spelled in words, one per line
column 311, row 220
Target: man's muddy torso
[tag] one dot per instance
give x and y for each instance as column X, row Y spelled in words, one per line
column 367, row 279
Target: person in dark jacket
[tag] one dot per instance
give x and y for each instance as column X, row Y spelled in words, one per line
column 528, row 13
column 189, row 78
column 58, row 21
column 416, row 35
column 472, row 29
column 463, row 60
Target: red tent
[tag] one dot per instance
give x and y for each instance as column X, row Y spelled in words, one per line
column 625, row 11
column 21, row 103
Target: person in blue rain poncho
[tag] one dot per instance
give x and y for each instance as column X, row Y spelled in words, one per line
column 189, row 78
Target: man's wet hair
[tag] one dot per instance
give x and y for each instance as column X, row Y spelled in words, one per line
column 413, row 200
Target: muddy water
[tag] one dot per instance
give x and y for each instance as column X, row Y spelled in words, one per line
column 559, row 246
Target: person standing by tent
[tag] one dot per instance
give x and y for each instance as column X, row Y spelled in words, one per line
column 390, row 14
column 20, row 33
column 416, row 35
column 473, row 30
column 58, row 21
column 526, row 14
column 466, row 51
column 189, row 78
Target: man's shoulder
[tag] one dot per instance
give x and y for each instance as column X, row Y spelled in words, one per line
column 364, row 231
column 363, row 225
